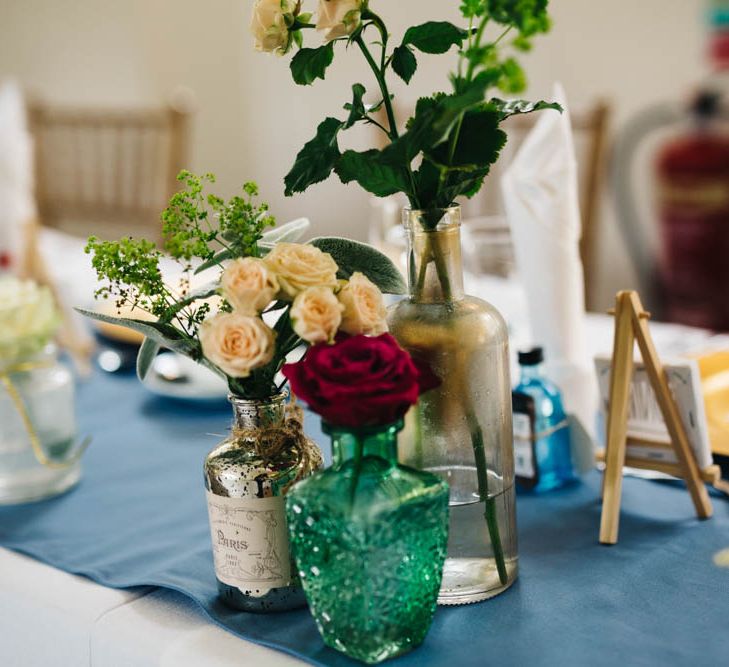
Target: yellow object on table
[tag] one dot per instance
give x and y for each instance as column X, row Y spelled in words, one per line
column 714, row 370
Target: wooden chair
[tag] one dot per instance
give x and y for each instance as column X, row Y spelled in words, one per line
column 106, row 172
column 590, row 130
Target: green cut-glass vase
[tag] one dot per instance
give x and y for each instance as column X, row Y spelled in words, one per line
column 369, row 537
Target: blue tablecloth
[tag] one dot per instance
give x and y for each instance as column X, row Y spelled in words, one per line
column 139, row 518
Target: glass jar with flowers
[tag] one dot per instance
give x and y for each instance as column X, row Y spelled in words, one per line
column 369, row 535
column 442, row 153
column 38, row 454
column 268, row 295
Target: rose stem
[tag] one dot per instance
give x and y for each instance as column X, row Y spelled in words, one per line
column 483, row 491
column 432, row 251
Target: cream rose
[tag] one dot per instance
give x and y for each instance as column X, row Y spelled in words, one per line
column 237, row 344
column 316, row 315
column 270, row 25
column 248, row 285
column 338, row 18
column 364, row 307
column 298, row 266
column 28, row 318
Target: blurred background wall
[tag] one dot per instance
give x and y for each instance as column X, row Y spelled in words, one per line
column 251, row 119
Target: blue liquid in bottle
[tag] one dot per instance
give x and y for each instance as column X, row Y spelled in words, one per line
column 541, row 432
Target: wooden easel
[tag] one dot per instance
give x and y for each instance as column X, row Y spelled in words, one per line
column 631, row 325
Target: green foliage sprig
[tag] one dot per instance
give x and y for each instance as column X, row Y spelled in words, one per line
column 202, row 231
column 446, row 149
column 195, row 226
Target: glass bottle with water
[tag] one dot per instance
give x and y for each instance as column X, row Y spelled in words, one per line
column 541, row 430
column 44, row 389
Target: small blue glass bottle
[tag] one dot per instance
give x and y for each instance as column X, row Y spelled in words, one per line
column 541, row 430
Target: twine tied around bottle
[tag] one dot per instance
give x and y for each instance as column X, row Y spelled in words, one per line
column 270, row 442
column 6, row 380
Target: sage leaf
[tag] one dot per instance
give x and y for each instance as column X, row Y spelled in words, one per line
column 215, row 260
column 288, row 233
column 147, row 352
column 353, row 256
column 164, row 334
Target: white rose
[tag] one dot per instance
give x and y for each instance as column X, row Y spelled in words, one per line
column 237, row 344
column 270, row 24
column 364, row 307
column 28, row 318
column 316, row 315
column 338, row 18
column 298, row 266
column 248, row 285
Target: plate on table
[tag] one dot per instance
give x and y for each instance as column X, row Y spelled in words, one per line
column 175, row 376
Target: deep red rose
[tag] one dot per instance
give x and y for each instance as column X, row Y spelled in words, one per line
column 359, row 381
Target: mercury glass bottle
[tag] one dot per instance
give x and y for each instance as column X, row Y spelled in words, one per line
column 245, row 492
column 369, row 537
column 41, row 389
column 462, row 430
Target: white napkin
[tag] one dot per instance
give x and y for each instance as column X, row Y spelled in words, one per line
column 17, row 205
column 541, row 199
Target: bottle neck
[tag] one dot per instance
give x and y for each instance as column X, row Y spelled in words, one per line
column 351, row 444
column 435, row 271
column 252, row 414
column 531, row 373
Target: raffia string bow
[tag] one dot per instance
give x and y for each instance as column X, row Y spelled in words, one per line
column 270, row 442
column 6, row 380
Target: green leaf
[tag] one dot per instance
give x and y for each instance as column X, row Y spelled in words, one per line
column 513, row 77
column 529, row 16
column 479, row 141
column 288, row 233
column 404, row 63
column 311, row 64
column 356, row 108
column 508, row 108
column 371, row 173
column 164, row 334
column 147, row 352
column 472, row 8
column 434, row 117
column 317, row 158
column 434, row 36
column 215, row 260
column 353, row 256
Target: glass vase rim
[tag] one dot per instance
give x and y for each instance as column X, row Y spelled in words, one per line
column 274, row 399
column 335, row 429
column 445, row 209
column 449, row 219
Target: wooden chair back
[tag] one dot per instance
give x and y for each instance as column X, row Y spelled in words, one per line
column 106, row 172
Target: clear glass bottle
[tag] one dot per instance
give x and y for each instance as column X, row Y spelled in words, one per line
column 45, row 388
column 369, row 537
column 245, row 492
column 462, row 430
column 541, row 431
